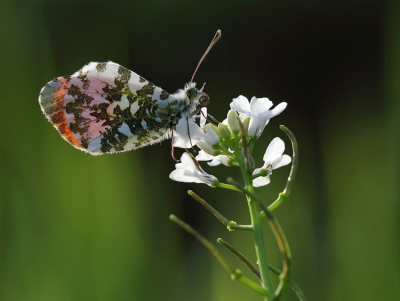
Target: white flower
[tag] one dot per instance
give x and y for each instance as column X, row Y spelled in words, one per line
column 215, row 160
column 190, row 172
column 204, row 138
column 258, row 110
column 273, row 159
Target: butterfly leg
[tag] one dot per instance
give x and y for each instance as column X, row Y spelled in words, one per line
column 172, row 145
column 208, row 115
column 187, row 122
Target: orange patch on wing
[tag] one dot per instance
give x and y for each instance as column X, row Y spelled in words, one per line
column 58, row 118
column 65, row 131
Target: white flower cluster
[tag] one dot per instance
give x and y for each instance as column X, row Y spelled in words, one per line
column 255, row 115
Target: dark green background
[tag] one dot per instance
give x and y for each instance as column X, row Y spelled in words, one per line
column 77, row 227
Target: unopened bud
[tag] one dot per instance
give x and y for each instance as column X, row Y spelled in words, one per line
column 233, row 122
column 246, row 123
column 224, row 131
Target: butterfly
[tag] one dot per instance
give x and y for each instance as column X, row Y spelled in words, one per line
column 105, row 108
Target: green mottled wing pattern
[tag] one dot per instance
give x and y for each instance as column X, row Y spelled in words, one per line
column 106, row 108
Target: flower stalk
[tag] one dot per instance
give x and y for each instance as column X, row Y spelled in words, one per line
column 241, row 257
column 284, row 196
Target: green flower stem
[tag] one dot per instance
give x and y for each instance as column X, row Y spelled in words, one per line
column 224, row 151
column 292, row 284
column 258, row 234
column 285, row 276
column 231, row 225
column 284, row 196
column 280, row 237
column 216, row 183
column 235, row 274
column 218, row 215
column 252, row 142
column 254, row 286
column 241, row 257
column 260, row 247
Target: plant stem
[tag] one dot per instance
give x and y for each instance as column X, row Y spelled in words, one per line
column 260, row 248
column 216, row 183
column 258, row 238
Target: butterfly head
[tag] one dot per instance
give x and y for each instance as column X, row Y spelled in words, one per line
column 198, row 97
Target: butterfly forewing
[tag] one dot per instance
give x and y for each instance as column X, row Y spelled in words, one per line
column 106, row 108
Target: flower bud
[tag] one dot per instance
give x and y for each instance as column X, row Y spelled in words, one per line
column 245, row 123
column 233, row 122
column 224, row 131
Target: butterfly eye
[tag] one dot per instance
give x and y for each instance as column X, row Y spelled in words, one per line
column 204, row 99
column 191, row 93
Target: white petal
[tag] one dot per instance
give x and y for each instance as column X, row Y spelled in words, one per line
column 241, row 104
column 256, row 122
column 202, row 118
column 223, row 159
column 260, row 105
column 196, row 133
column 180, row 166
column 214, row 162
column 260, row 129
column 219, row 159
column 182, row 142
column 188, row 162
column 184, row 175
column 242, row 116
column 278, row 109
column 274, row 150
column 203, row 156
column 186, row 171
column 213, row 136
column 283, row 160
column 261, row 181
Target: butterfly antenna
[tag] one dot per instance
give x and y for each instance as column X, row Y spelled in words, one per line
column 214, row 40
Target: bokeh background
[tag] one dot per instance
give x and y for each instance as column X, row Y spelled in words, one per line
column 77, row 227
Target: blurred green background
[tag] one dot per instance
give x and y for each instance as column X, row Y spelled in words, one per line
column 77, row 227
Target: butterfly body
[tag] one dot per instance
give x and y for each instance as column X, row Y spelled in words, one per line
column 106, row 108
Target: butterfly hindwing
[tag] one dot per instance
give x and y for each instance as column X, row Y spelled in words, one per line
column 106, row 108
